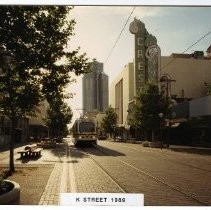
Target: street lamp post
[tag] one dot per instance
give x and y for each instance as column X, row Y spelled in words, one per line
column 161, row 115
column 166, row 81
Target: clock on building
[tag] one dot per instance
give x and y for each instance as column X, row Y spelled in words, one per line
column 133, row 27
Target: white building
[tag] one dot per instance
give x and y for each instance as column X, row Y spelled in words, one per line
column 122, row 93
column 187, row 78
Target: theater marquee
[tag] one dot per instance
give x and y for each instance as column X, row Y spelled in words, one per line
column 146, row 67
column 138, row 29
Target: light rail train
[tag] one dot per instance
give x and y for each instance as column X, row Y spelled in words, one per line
column 84, row 131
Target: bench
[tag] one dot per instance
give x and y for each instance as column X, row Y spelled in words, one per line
column 30, row 151
column 24, row 153
column 31, row 146
column 35, row 152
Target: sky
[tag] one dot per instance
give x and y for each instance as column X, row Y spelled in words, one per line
column 97, row 29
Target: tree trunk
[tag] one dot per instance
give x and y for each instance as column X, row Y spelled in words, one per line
column 12, row 140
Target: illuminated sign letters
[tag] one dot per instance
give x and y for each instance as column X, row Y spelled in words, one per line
column 146, row 67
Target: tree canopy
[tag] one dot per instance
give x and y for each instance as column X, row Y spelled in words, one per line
column 149, row 104
column 109, row 120
column 36, row 37
column 59, row 115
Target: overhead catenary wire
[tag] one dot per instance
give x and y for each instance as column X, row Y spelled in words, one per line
column 119, row 36
column 208, row 33
column 112, row 49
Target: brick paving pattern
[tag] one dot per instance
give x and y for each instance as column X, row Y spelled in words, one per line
column 67, row 169
column 188, row 172
column 50, row 195
column 32, row 180
column 135, row 182
column 91, row 178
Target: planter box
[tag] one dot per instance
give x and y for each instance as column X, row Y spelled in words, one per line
column 145, row 144
column 12, row 197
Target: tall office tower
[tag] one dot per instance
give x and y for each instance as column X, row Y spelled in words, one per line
column 95, row 89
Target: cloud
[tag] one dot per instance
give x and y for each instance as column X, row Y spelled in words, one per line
column 140, row 11
column 97, row 28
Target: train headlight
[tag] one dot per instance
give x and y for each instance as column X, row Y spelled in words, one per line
column 80, row 137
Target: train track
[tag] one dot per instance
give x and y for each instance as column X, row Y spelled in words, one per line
column 166, row 184
column 173, row 161
column 82, row 150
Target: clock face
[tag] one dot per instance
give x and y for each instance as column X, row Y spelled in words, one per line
column 133, row 28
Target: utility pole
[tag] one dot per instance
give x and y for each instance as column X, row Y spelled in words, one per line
column 166, row 81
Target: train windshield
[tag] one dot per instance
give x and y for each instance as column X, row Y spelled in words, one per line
column 86, row 127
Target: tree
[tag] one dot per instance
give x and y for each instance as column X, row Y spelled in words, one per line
column 109, row 121
column 36, row 37
column 59, row 115
column 149, row 105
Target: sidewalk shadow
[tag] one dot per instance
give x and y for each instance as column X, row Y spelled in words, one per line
column 103, row 151
column 58, row 150
column 61, row 152
column 197, row 151
column 77, row 152
column 28, row 159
